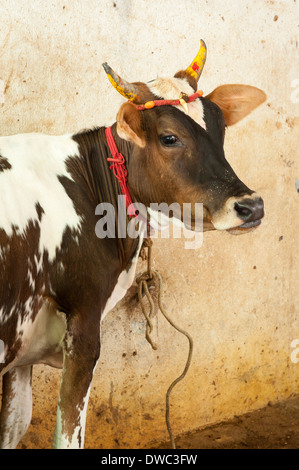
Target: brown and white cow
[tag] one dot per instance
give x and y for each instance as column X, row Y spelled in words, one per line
column 58, row 279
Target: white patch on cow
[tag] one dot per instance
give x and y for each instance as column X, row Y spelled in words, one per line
column 18, row 409
column 76, row 441
column 42, row 338
column 125, row 279
column 61, row 267
column 23, row 312
column 68, row 342
column 37, row 160
column 38, row 263
column 227, row 217
column 63, row 441
column 58, row 439
column 5, row 315
column 1, row 315
column 160, row 221
column 31, row 280
column 24, row 323
column 171, row 88
column 28, row 305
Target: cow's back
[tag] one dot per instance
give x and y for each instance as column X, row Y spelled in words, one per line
column 30, row 186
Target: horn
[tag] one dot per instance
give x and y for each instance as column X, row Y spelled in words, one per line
column 128, row 90
column 198, row 63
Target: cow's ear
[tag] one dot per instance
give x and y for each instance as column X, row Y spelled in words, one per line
column 236, row 101
column 129, row 124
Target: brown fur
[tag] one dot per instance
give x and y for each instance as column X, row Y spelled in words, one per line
column 191, row 80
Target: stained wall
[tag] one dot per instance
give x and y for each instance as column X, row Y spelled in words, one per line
column 237, row 296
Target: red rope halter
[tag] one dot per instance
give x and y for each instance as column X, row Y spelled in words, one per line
column 120, row 171
column 186, row 98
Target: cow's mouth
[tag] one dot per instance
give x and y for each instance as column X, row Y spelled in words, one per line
column 244, row 228
column 253, row 223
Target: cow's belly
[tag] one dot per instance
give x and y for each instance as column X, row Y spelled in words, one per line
column 42, row 340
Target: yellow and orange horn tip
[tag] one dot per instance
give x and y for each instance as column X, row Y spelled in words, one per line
column 197, row 65
column 126, row 89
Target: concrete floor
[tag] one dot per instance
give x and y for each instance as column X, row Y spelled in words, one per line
column 273, row 427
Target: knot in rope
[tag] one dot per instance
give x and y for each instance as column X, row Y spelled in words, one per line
column 120, row 171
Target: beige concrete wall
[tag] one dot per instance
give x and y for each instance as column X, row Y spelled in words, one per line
column 238, row 296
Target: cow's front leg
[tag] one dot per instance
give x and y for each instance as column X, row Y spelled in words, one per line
column 81, row 352
column 16, row 408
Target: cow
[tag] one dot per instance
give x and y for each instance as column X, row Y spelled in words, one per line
column 58, row 278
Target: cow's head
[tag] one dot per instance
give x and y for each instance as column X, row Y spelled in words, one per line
column 178, row 153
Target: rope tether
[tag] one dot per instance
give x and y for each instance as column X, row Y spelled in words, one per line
column 142, row 282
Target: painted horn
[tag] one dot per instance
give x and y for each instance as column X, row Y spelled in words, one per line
column 128, row 90
column 198, row 63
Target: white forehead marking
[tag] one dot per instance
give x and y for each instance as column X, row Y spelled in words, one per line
column 170, row 89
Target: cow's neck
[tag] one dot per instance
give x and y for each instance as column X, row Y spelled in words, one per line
column 102, row 184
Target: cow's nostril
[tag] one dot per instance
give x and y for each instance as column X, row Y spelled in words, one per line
column 250, row 209
column 244, row 212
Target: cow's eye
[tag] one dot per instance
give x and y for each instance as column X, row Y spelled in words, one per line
column 169, row 140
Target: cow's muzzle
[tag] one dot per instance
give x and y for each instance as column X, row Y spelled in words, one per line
column 239, row 214
column 251, row 211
